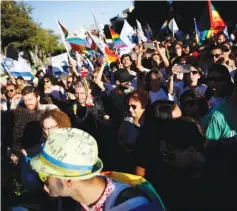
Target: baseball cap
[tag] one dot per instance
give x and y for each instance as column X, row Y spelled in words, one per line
column 122, row 75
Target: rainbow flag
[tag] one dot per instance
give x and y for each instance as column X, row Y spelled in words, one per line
column 138, row 182
column 79, row 45
column 197, row 32
column 164, row 26
column 206, row 34
column 117, row 40
column 111, row 56
column 65, row 31
column 217, row 23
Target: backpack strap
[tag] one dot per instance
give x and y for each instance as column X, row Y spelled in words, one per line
column 113, row 196
column 131, row 204
column 129, row 193
column 125, row 197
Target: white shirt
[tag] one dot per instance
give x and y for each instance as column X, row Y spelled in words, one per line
column 47, row 106
column 160, row 95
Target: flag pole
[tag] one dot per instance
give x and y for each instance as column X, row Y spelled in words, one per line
column 63, row 38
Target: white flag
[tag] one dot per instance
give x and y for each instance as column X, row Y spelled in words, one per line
column 98, row 26
column 225, row 31
column 140, row 31
column 60, row 64
column 16, row 68
column 173, row 26
column 126, row 35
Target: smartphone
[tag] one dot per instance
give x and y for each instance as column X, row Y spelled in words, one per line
column 185, row 68
column 149, row 45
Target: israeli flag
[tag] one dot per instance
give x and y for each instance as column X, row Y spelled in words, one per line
column 16, row 68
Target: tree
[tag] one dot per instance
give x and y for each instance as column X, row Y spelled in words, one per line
column 20, row 31
column 17, row 25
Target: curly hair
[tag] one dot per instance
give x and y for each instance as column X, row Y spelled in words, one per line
column 62, row 119
column 141, row 96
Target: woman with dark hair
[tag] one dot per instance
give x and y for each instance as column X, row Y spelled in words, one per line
column 177, row 49
column 219, row 85
column 130, row 127
column 191, row 80
column 55, row 91
column 193, row 104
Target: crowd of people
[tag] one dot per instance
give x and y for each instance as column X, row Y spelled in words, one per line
column 167, row 113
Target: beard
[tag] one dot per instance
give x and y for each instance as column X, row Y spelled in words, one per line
column 32, row 107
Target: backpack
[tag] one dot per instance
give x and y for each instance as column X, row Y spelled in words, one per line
column 132, row 192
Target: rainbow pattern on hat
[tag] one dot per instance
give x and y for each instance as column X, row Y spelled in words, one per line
column 117, row 40
column 65, row 31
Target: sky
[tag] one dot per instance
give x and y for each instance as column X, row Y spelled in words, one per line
column 73, row 14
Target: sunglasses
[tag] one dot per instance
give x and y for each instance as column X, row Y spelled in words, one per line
column 193, row 72
column 94, row 76
column 10, row 90
column 215, row 79
column 216, row 55
column 133, row 107
column 69, row 82
column 46, row 81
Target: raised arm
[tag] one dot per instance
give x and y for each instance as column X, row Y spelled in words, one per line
column 139, row 59
column 98, row 80
column 163, row 56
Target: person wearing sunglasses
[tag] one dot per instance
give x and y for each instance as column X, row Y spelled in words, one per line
column 220, row 85
column 191, row 80
column 130, row 127
column 13, row 99
column 221, row 122
column 193, row 104
column 217, row 55
column 56, row 91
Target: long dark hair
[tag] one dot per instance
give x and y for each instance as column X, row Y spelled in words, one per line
column 228, row 87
